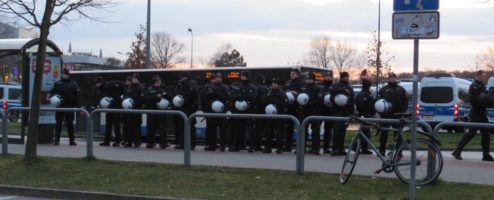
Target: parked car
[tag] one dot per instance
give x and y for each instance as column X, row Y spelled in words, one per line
column 11, row 93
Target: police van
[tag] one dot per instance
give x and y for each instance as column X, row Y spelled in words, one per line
column 443, row 98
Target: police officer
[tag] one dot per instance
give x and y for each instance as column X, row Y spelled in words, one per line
column 132, row 122
column 479, row 99
column 155, row 93
column 114, row 90
column 326, row 110
column 69, row 93
column 398, row 97
column 293, row 86
column 275, row 129
column 243, row 92
column 364, row 101
column 260, row 124
column 312, row 108
column 186, row 88
column 216, row 91
column 342, row 98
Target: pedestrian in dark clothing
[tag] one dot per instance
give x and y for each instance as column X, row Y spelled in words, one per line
column 398, row 97
column 155, row 93
column 186, row 89
column 293, row 86
column 342, row 98
column 113, row 90
column 275, row 129
column 479, row 100
column 312, row 107
column 68, row 90
column 365, row 107
column 215, row 93
column 132, row 122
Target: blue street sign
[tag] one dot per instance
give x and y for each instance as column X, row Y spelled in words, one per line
column 415, row 5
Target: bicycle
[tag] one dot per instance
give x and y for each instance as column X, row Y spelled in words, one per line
column 399, row 160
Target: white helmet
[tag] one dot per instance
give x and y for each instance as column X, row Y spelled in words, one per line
column 128, row 103
column 327, row 101
column 105, row 102
column 271, row 109
column 290, row 97
column 217, row 106
column 241, row 105
column 341, row 100
column 178, row 101
column 382, row 106
column 303, row 99
column 163, row 104
column 56, row 100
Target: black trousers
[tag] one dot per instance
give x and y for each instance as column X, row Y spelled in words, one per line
column 290, row 131
column 155, row 122
column 179, row 138
column 259, row 132
column 215, row 127
column 69, row 122
column 383, row 138
column 275, row 130
column 484, row 133
column 112, row 124
column 239, row 128
column 328, row 134
column 132, row 128
column 339, row 136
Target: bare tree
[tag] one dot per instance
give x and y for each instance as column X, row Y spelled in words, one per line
column 385, row 61
column 54, row 11
column 137, row 55
column 343, row 56
column 486, row 59
column 320, row 51
column 165, row 50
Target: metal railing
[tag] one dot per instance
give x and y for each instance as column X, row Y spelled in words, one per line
column 296, row 127
column 479, row 125
column 28, row 109
column 5, row 135
column 137, row 111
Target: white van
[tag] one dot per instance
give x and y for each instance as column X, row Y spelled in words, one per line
column 443, row 98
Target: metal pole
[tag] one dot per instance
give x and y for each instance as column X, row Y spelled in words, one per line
column 148, row 38
column 414, row 118
column 187, row 142
column 89, row 137
column 191, row 46
column 300, row 147
column 5, row 136
column 378, row 56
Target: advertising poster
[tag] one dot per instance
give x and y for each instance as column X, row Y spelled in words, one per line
column 52, row 72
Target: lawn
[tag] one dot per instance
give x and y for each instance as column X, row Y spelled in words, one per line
column 214, row 182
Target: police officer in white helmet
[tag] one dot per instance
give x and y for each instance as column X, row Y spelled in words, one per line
column 186, row 89
column 341, row 90
column 312, row 107
column 68, row 90
column 294, row 86
column 156, row 93
column 397, row 96
column 364, row 101
column 132, row 122
column 275, row 129
column 219, row 93
column 112, row 90
column 327, row 109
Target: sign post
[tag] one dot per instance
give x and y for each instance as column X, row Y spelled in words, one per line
column 415, row 19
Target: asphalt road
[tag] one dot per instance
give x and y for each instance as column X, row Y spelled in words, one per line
column 469, row 170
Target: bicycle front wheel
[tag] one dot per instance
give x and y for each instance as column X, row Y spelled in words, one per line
column 350, row 160
column 429, row 162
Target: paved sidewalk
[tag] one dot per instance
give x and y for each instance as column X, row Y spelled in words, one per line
column 469, row 170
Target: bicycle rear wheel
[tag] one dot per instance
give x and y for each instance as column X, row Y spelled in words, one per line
column 428, row 166
column 350, row 160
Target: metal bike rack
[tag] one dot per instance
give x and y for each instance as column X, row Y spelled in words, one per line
column 303, row 130
column 300, row 152
column 66, row 110
column 137, row 111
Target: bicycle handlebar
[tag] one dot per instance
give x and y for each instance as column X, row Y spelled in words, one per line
column 364, row 122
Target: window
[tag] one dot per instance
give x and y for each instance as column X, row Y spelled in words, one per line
column 1, row 93
column 436, row 94
column 14, row 94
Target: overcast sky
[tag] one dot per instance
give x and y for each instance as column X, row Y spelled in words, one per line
column 278, row 32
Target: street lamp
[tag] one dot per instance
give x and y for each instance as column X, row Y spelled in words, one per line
column 191, row 47
column 148, row 38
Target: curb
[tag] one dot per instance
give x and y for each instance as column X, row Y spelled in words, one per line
column 72, row 194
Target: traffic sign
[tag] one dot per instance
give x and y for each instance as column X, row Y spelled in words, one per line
column 415, row 5
column 416, row 25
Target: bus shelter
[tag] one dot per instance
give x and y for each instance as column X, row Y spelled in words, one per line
column 17, row 64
